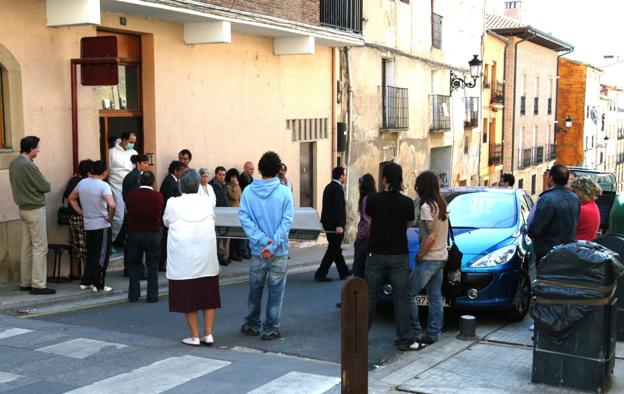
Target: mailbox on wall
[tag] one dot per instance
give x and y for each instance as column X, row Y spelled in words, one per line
column 306, row 224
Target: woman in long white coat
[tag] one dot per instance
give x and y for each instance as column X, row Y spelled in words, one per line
column 192, row 264
column 119, row 166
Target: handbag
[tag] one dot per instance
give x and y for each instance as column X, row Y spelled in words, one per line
column 63, row 214
column 451, row 284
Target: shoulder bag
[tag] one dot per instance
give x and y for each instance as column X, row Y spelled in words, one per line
column 451, row 285
column 63, row 213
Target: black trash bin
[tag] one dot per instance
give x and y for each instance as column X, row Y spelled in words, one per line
column 575, row 317
column 616, row 244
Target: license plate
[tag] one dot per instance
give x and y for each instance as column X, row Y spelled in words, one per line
column 423, row 300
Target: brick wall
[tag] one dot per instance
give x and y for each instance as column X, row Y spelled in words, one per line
column 307, row 11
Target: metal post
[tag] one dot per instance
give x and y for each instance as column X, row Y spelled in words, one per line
column 74, row 114
column 354, row 336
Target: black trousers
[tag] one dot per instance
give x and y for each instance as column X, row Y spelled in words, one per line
column 140, row 242
column 333, row 254
column 162, row 266
column 98, row 254
column 360, row 250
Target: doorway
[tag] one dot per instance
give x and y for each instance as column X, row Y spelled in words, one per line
column 121, row 106
column 306, row 174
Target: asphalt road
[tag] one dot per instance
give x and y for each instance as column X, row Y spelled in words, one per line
column 310, row 323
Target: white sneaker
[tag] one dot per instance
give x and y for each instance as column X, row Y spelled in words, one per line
column 191, row 341
column 106, row 289
column 85, row 287
column 208, row 340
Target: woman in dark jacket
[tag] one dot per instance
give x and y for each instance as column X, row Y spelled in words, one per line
column 131, row 181
column 77, row 235
column 366, row 186
column 234, row 195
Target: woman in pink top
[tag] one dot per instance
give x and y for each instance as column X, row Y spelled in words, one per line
column 589, row 217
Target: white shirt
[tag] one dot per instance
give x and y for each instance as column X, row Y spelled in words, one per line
column 208, row 192
column 191, row 241
column 120, row 164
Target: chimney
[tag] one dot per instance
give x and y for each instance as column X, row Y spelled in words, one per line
column 513, row 9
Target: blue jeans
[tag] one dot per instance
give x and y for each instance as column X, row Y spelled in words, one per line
column 397, row 267
column 273, row 269
column 427, row 274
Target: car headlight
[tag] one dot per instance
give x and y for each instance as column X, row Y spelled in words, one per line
column 497, row 257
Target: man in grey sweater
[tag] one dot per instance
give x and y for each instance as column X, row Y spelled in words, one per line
column 29, row 187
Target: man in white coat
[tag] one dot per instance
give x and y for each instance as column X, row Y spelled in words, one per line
column 120, row 165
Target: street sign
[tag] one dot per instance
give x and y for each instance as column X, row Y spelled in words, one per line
column 99, row 73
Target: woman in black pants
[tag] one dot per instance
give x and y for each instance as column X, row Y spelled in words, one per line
column 366, row 186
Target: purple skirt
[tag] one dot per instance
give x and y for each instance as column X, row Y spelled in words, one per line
column 192, row 295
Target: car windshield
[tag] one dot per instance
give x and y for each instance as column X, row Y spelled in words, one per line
column 482, row 210
column 606, row 181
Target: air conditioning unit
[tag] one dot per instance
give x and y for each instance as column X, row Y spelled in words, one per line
column 306, row 224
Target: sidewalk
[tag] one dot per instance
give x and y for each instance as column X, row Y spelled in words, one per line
column 68, row 294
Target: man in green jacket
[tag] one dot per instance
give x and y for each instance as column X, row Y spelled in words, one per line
column 29, row 186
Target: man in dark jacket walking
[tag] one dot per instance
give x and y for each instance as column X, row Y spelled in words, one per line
column 556, row 214
column 334, row 218
column 220, row 189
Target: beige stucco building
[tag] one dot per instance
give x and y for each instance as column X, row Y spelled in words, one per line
column 228, row 83
column 398, row 86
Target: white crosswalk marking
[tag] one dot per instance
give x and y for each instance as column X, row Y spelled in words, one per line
column 155, row 378
column 11, row 332
column 298, row 383
column 80, row 348
column 6, row 377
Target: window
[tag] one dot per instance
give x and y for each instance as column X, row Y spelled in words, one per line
column 394, row 99
column 523, row 105
column 3, row 115
column 533, row 181
column 485, row 130
column 486, row 76
column 521, row 183
column 549, row 105
column 466, row 144
column 536, row 106
column 441, row 114
column 472, row 112
column 436, row 30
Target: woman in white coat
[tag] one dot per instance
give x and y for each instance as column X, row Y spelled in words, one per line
column 205, row 189
column 192, row 264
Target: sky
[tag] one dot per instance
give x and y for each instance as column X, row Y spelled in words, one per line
column 595, row 27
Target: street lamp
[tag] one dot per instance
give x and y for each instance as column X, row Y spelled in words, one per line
column 475, row 72
column 568, row 124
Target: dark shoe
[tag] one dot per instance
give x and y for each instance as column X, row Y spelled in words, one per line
column 271, row 335
column 133, row 300
column 322, row 279
column 414, row 347
column 246, row 256
column 25, row 288
column 44, row 291
column 426, row 339
column 235, row 258
column 224, row 263
column 249, row 330
column 349, row 273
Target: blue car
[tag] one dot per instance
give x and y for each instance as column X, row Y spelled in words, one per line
column 490, row 228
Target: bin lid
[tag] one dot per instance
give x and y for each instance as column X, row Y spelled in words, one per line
column 306, row 224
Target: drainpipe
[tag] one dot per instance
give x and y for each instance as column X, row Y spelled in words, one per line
column 334, row 98
column 513, row 107
column 567, row 51
column 349, row 112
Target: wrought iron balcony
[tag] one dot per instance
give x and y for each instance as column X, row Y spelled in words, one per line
column 551, row 151
column 495, row 156
column 498, row 94
column 395, row 108
column 441, row 113
column 538, row 155
column 525, row 157
column 343, row 14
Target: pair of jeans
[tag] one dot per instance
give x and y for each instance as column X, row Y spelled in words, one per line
column 427, row 274
column 333, row 254
column 34, row 253
column 397, row 266
column 140, row 242
column 261, row 271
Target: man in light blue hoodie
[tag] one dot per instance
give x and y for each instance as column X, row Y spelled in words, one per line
column 266, row 214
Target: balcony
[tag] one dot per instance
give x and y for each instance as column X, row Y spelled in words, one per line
column 523, row 105
column 551, row 151
column 538, row 155
column 535, row 105
column 472, row 112
column 620, row 134
column 343, row 14
column 525, row 158
column 498, row 94
column 441, row 113
column 395, row 108
column 495, row 156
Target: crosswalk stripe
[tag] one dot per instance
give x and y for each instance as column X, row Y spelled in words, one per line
column 155, row 378
column 11, row 332
column 298, row 383
column 6, row 377
column 80, row 348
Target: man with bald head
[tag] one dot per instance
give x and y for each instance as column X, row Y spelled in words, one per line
column 245, row 179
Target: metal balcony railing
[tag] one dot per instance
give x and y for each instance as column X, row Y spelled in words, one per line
column 498, row 94
column 441, row 113
column 525, row 157
column 395, row 108
column 343, row 14
column 495, row 156
column 538, row 155
column 551, row 151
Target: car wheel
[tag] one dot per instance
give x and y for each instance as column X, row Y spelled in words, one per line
column 522, row 299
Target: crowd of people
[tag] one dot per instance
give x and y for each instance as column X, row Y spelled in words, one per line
column 173, row 230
